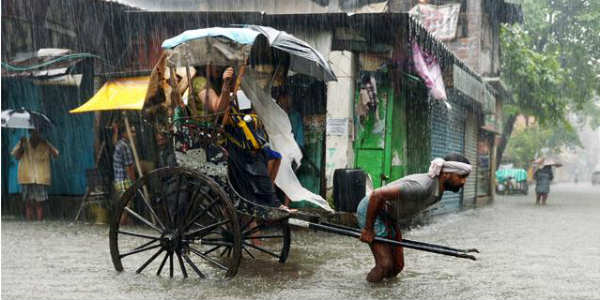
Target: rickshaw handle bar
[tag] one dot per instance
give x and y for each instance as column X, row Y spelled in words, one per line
column 403, row 243
column 409, row 241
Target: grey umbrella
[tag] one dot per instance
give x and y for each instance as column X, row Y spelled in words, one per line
column 304, row 58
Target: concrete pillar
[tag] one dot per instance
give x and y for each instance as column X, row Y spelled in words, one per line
column 340, row 111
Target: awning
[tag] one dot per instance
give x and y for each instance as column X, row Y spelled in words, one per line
column 123, row 93
column 45, row 63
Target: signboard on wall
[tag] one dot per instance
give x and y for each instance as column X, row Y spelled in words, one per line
column 337, row 126
column 440, row 20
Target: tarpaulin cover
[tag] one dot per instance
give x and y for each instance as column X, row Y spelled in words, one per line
column 517, row 174
column 124, row 93
column 210, row 50
column 239, row 35
column 230, row 46
column 215, row 45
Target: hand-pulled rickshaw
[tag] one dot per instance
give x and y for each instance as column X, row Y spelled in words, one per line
column 192, row 216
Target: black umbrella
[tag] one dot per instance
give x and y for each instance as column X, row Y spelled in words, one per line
column 304, row 58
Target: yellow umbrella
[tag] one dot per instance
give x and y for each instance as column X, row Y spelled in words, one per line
column 119, row 94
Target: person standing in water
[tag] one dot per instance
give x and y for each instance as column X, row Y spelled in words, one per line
column 410, row 195
column 543, row 177
column 34, row 174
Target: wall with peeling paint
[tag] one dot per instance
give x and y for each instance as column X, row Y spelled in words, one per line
column 340, row 94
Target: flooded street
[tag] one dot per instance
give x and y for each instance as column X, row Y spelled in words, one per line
column 527, row 252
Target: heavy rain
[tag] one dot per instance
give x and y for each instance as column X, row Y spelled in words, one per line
column 339, row 149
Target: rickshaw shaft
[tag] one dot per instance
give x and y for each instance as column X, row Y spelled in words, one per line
column 402, row 243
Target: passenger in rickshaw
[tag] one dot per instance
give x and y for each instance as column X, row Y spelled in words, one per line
column 207, row 99
column 247, row 144
column 252, row 163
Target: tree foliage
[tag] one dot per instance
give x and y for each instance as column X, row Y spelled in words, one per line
column 527, row 144
column 551, row 63
column 566, row 32
column 570, row 28
column 536, row 79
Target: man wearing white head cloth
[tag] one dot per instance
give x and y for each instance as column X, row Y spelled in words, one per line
column 410, row 195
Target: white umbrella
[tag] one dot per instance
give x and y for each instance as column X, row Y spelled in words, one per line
column 544, row 161
column 26, row 119
column 552, row 162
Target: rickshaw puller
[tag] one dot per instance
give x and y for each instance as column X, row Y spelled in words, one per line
column 412, row 193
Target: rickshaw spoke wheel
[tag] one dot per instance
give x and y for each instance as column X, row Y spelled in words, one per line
column 266, row 239
column 179, row 215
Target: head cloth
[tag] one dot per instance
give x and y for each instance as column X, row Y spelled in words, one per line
column 439, row 165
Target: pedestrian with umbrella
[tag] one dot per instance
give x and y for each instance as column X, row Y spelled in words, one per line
column 33, row 153
column 543, row 176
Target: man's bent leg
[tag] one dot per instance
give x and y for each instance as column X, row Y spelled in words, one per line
column 398, row 254
column 383, row 262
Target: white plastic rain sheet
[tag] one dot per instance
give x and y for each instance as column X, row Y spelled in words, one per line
column 278, row 127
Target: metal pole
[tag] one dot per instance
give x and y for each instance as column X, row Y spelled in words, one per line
column 191, row 91
column 355, row 234
column 132, row 143
column 409, row 241
column 137, row 161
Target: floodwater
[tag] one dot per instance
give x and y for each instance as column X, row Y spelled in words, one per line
column 527, row 252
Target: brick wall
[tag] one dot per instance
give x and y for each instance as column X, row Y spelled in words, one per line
column 479, row 47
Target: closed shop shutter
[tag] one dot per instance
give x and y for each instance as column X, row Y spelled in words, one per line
column 471, row 135
column 447, row 135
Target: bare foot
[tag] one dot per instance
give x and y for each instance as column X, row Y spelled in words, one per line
column 290, row 210
column 375, row 275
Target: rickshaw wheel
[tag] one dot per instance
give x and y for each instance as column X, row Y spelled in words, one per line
column 182, row 215
column 270, row 239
